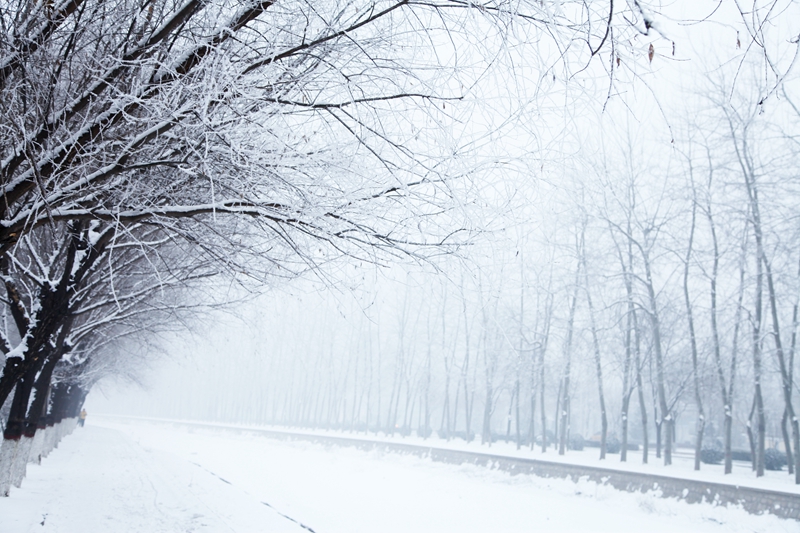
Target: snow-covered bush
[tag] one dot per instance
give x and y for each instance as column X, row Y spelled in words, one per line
column 613, row 445
column 711, row 456
column 576, row 441
column 774, row 459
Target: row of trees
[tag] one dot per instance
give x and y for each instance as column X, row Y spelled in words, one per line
column 151, row 145
column 658, row 295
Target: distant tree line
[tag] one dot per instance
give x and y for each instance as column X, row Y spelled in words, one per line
column 664, row 295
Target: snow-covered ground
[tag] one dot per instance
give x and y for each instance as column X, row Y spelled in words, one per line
column 682, row 466
column 103, row 480
column 140, row 477
column 682, row 461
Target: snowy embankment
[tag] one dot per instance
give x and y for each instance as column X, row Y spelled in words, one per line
column 147, row 477
column 682, row 467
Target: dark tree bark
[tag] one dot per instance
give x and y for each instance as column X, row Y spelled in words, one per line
column 37, row 412
column 15, row 425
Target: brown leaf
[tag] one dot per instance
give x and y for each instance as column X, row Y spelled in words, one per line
column 738, row 42
column 618, row 61
column 651, row 52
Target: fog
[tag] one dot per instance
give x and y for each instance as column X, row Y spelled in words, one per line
column 639, row 187
column 563, row 230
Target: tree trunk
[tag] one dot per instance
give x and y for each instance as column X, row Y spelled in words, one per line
column 750, row 437
column 542, row 409
column 521, row 344
column 643, row 413
column 557, row 414
column 508, row 416
column 19, row 406
column 486, row 432
column 12, row 370
column 749, row 175
column 787, row 442
column 786, row 378
column 427, row 429
column 698, row 400
column 444, row 426
column 13, row 434
column 465, row 372
column 792, row 347
column 795, row 456
column 37, row 411
column 726, row 390
column 532, row 423
column 516, row 415
column 630, row 322
column 623, row 450
column 455, row 406
column 627, row 389
column 598, row 365
column 542, row 353
column 761, row 426
column 666, row 417
column 659, row 423
column 469, row 402
column 640, row 390
column 564, row 424
column 490, row 363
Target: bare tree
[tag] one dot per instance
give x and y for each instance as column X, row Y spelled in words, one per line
column 701, row 417
column 727, row 385
column 564, row 395
column 596, row 350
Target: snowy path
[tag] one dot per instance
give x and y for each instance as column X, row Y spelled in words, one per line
column 149, row 478
column 101, row 480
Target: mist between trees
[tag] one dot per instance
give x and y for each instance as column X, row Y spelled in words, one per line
column 149, row 146
column 652, row 302
column 162, row 159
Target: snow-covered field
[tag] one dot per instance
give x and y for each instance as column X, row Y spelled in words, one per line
column 140, row 477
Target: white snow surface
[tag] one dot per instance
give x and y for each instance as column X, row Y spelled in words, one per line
column 116, row 476
column 682, row 467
